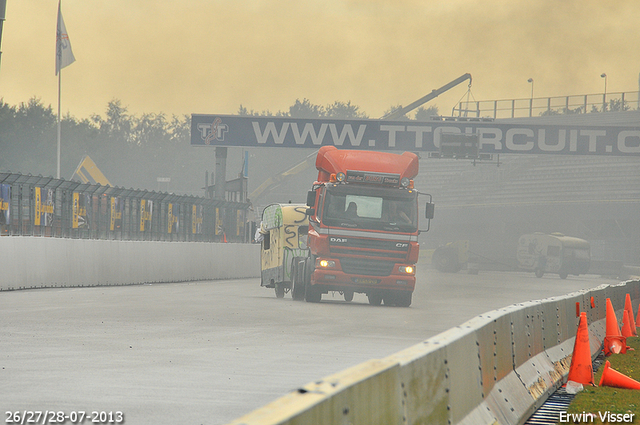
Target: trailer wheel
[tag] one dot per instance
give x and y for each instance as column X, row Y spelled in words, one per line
column 539, row 272
column 563, row 275
column 375, row 298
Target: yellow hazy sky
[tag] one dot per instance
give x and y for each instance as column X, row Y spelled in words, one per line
column 211, row 56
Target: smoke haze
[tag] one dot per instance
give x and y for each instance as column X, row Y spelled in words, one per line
column 204, row 56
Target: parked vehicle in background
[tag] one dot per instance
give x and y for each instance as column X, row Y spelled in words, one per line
column 554, row 253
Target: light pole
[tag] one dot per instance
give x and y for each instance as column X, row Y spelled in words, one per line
column 530, row 80
column 604, row 96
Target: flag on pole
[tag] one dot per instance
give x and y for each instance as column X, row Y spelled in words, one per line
column 64, row 54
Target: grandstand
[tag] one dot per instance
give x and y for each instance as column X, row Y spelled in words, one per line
column 491, row 204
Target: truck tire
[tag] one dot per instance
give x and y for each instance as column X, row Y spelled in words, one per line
column 403, row 298
column 348, row 296
column 446, row 260
column 297, row 276
column 311, row 294
column 375, row 298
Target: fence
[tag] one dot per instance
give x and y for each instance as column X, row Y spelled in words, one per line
column 578, row 104
column 45, row 206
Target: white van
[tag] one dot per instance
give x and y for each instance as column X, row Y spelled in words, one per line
column 554, row 253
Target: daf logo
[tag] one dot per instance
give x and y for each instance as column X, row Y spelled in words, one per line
column 338, row 240
column 402, row 245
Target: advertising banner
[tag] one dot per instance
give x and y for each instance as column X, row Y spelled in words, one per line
column 5, row 204
column 44, row 207
column 116, row 209
column 80, row 217
column 218, row 221
column 146, row 213
column 197, row 213
column 415, row 136
column 173, row 218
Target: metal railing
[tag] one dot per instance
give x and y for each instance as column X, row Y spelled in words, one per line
column 542, row 106
column 45, row 206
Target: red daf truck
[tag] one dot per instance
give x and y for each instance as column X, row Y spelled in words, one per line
column 363, row 228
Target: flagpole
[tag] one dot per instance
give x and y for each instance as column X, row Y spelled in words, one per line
column 59, row 87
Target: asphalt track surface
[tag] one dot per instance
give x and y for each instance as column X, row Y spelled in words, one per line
column 210, row 352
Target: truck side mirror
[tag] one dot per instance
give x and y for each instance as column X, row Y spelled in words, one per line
column 429, row 210
column 310, row 211
column 311, row 198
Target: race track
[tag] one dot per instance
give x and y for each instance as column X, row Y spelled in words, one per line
column 209, row 352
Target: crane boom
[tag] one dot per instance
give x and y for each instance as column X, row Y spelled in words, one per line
column 435, row 93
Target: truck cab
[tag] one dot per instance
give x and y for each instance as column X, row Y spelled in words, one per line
column 363, row 227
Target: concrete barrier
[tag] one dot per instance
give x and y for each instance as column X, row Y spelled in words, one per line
column 32, row 262
column 497, row 368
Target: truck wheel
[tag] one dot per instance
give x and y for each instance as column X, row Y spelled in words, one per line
column 279, row 290
column 297, row 276
column 375, row 298
column 446, row 260
column 348, row 296
column 389, row 299
column 539, row 272
column 311, row 294
column 403, row 298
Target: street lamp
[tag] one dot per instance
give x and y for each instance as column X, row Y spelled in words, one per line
column 530, row 80
column 604, row 96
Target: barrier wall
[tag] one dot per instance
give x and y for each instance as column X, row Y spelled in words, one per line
column 56, row 262
column 497, row 368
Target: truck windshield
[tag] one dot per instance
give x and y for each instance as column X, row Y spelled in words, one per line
column 370, row 208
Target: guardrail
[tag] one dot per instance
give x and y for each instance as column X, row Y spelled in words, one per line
column 44, row 206
column 497, row 368
column 538, row 106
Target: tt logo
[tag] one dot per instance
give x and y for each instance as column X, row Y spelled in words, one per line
column 213, row 132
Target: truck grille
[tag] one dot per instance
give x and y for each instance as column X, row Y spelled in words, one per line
column 363, row 266
column 368, row 247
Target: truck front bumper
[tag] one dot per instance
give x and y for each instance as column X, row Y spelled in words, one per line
column 337, row 280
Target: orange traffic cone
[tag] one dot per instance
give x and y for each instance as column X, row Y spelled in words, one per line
column 581, row 369
column 613, row 378
column 626, row 325
column 614, row 342
column 629, row 309
column 638, row 318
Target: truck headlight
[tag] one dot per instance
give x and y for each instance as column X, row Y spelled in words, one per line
column 326, row 264
column 406, row 269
